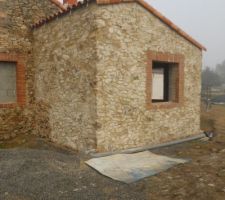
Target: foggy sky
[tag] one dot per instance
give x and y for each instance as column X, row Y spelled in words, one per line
column 202, row 19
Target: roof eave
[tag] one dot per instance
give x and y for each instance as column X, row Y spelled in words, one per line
column 159, row 16
column 58, row 4
column 156, row 13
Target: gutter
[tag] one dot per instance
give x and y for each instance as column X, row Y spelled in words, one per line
column 151, row 147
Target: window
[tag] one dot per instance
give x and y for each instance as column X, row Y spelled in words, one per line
column 8, row 82
column 164, row 84
column 12, row 80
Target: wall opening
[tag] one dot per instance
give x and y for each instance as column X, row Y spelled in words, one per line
column 164, row 81
column 12, row 80
column 8, row 92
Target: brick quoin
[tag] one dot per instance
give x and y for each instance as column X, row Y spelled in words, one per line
column 20, row 78
column 168, row 58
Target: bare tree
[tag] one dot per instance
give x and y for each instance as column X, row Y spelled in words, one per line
column 209, row 79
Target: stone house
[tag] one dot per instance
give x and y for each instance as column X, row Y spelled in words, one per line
column 104, row 75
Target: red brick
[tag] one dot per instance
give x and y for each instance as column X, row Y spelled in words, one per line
column 165, row 57
column 20, row 78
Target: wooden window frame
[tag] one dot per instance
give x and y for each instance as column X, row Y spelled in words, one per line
column 20, row 79
column 167, row 58
column 165, row 85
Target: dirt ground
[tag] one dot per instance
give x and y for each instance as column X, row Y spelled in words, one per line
column 37, row 169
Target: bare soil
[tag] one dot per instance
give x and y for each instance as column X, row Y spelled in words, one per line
column 38, row 169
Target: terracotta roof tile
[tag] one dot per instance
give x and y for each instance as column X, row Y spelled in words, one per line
column 57, row 3
column 141, row 2
column 60, row 13
column 158, row 15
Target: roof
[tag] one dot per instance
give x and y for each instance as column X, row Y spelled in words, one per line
column 30, row 10
column 141, row 2
column 57, row 3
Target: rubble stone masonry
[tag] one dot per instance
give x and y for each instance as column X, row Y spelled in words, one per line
column 126, row 33
column 86, row 76
column 91, row 73
column 65, row 59
column 16, row 16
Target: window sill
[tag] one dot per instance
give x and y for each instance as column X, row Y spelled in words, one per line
column 163, row 105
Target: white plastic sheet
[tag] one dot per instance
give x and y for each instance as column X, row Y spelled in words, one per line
column 129, row 168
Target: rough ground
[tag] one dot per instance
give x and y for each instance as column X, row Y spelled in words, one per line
column 39, row 170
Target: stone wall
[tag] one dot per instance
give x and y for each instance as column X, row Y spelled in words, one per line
column 15, row 19
column 91, row 79
column 125, row 33
column 65, row 62
column 15, row 37
column 16, row 16
column 34, row 10
column 86, row 76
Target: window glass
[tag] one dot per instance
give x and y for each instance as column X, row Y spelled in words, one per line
column 8, row 82
column 158, row 84
column 164, row 82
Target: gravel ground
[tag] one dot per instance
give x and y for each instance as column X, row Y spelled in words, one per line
column 38, row 170
column 46, row 172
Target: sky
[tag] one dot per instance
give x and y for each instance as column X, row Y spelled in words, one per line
column 204, row 20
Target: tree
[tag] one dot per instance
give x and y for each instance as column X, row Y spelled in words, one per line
column 210, row 78
column 220, row 70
